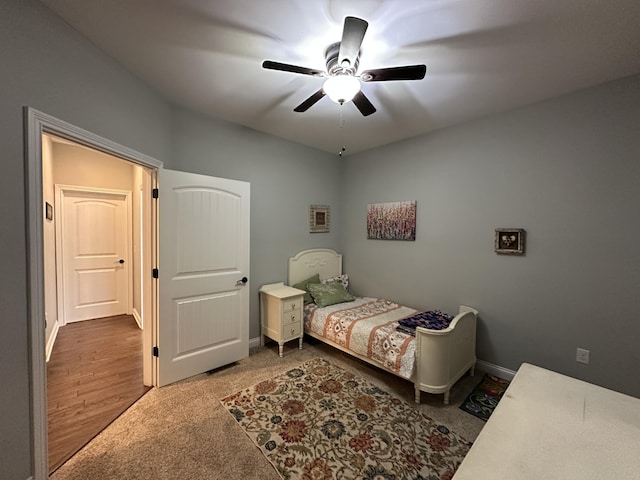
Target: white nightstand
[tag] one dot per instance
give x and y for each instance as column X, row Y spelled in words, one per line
column 281, row 313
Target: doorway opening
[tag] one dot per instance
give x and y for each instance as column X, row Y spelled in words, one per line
column 96, row 237
column 44, row 281
column 203, row 320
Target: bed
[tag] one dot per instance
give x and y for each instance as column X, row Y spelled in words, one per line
column 366, row 328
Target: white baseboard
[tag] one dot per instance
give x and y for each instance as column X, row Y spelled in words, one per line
column 51, row 341
column 137, row 318
column 254, row 342
column 495, row 370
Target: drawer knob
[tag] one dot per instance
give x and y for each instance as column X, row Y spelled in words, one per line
column 293, row 305
column 292, row 331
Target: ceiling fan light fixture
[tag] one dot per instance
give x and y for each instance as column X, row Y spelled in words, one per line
column 343, row 82
column 341, row 88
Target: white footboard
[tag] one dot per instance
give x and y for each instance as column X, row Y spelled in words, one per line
column 443, row 356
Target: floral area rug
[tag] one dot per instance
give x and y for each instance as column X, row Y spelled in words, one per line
column 485, row 397
column 320, row 422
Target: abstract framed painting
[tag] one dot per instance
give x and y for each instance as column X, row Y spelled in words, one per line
column 392, row 220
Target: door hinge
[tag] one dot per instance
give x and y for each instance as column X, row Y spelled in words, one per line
column 155, row 273
column 154, row 193
column 155, row 352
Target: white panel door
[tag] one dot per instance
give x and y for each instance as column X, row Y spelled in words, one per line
column 94, row 232
column 204, row 257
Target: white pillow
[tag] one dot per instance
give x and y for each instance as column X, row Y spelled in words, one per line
column 344, row 279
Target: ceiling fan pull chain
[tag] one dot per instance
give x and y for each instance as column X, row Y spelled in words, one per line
column 341, row 126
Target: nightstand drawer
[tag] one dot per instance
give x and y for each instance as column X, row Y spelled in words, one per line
column 291, row 317
column 292, row 330
column 291, row 304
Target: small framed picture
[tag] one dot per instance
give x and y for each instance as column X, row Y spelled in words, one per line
column 510, row 241
column 319, row 218
column 48, row 210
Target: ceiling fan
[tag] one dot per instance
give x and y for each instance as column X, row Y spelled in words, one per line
column 342, row 59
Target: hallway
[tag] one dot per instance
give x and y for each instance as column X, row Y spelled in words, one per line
column 94, row 374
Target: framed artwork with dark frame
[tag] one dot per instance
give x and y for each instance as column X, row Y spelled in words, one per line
column 48, row 210
column 510, row 241
column 319, row 218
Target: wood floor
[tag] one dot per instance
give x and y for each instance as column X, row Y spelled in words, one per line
column 94, row 374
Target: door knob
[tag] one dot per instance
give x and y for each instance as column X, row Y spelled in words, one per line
column 242, row 281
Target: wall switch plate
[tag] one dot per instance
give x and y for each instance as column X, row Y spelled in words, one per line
column 582, row 356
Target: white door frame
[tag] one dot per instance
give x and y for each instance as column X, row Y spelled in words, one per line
column 36, row 124
column 62, row 291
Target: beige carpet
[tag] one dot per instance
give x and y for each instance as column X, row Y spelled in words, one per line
column 183, row 432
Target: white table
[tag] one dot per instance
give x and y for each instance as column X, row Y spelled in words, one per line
column 550, row 426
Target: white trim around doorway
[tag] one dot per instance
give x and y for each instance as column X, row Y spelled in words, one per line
column 35, row 124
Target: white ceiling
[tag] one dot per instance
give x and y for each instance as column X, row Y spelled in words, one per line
column 482, row 57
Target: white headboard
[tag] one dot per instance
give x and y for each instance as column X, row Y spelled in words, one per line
column 324, row 261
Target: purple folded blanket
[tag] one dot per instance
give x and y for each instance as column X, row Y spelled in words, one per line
column 432, row 319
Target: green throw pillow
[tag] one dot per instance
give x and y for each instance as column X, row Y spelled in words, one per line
column 303, row 286
column 325, row 294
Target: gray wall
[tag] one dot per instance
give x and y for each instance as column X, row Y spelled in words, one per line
column 567, row 171
column 48, row 66
column 285, row 179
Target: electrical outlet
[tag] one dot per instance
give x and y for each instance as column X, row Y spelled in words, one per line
column 582, row 356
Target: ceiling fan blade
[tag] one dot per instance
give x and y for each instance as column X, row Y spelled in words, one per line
column 352, row 36
column 363, row 104
column 285, row 67
column 304, row 106
column 409, row 72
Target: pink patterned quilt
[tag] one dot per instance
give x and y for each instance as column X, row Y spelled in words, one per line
column 367, row 327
